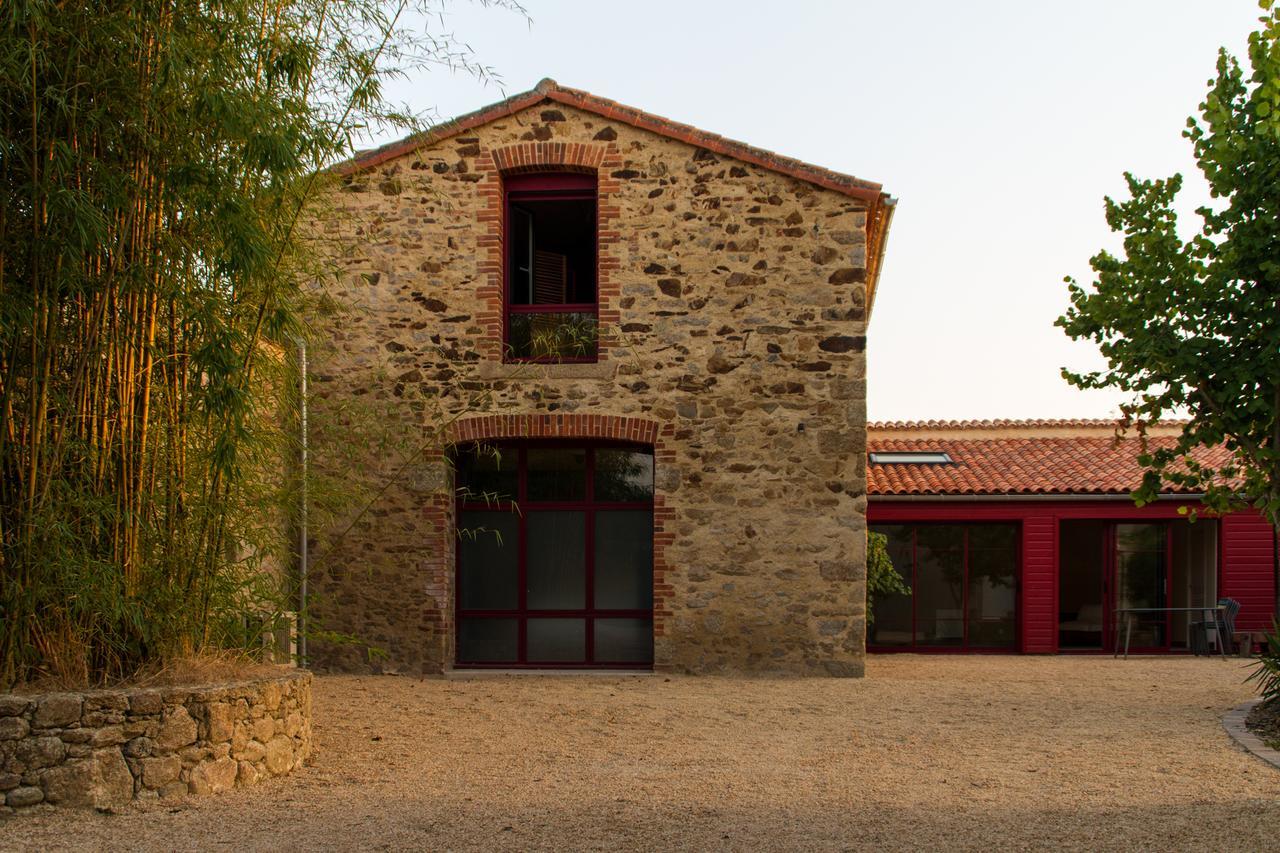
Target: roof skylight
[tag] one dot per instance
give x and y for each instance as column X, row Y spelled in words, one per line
column 911, row 457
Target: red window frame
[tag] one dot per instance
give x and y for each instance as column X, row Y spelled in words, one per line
column 522, row 613
column 547, row 186
column 909, row 577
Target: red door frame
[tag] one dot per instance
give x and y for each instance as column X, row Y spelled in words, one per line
column 522, row 614
column 1111, row 580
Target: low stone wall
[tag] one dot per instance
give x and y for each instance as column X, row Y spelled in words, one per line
column 105, row 748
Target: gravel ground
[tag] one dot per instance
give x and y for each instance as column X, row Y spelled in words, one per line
column 926, row 752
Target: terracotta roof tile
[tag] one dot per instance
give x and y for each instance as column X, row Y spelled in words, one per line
column 1079, row 465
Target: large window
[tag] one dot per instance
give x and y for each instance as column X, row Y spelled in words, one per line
column 555, row 556
column 963, row 580
column 551, row 299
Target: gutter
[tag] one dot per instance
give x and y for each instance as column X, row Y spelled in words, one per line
column 1004, row 498
column 883, row 210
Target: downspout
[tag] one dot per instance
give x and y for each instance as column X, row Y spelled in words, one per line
column 302, row 513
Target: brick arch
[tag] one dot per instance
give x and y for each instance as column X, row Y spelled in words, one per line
column 587, row 427
column 493, row 164
column 568, row 425
column 546, row 156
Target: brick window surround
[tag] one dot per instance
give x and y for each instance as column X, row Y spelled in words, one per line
column 523, row 158
column 577, row 426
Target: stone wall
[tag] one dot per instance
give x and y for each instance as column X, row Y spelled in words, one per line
column 104, row 748
column 733, row 308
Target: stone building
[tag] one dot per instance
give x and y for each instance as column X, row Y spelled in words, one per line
column 633, row 353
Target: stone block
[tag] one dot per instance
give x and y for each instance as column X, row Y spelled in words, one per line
column 108, row 736
column 174, row 789
column 12, row 728
column 253, row 751
column 240, row 737
column 211, row 777
column 146, row 702
column 264, row 728
column 33, row 753
column 219, row 725
column 279, row 755
column 247, row 774
column 139, row 747
column 177, row 729
column 13, row 706
column 158, row 772
column 9, row 781
column 58, row 709
column 28, row 795
column 271, row 694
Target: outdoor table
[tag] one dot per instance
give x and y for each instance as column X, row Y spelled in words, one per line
column 1129, row 612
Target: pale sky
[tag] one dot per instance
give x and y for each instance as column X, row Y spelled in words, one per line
column 999, row 125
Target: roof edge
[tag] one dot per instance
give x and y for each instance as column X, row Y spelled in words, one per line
column 549, row 90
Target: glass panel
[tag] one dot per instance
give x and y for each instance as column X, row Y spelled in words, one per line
column 487, row 640
column 551, row 335
column 488, row 559
column 1140, row 581
column 563, row 640
column 1140, row 537
column 1082, row 560
column 623, row 475
column 624, row 640
column 992, row 585
column 556, row 562
column 557, row 474
column 487, row 474
column 1193, row 578
column 939, row 585
column 891, row 622
column 624, row 560
column 521, row 224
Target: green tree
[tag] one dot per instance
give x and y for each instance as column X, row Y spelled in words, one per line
column 156, row 157
column 882, row 577
column 1193, row 326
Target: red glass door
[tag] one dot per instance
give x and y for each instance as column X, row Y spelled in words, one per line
column 555, row 556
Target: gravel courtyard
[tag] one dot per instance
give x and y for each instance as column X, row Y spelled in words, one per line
column 956, row 752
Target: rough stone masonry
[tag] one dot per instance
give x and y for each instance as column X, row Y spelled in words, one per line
column 733, row 306
column 105, row 748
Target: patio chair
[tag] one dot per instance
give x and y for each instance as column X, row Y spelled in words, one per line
column 1223, row 624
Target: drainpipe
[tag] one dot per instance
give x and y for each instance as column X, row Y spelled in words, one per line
column 302, row 515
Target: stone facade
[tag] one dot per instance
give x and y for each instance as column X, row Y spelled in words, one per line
column 105, row 748
column 733, row 304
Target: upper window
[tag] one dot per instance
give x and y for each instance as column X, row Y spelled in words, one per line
column 552, row 308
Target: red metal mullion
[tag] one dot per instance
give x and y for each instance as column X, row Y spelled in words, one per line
column 589, row 586
column 554, row 308
column 561, row 613
column 1108, row 580
column 915, row 531
column 522, row 564
column 551, row 195
column 1168, row 586
column 508, row 274
column 964, row 592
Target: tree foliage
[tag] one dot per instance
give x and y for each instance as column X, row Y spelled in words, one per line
column 155, row 161
column 882, row 577
column 1193, row 326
